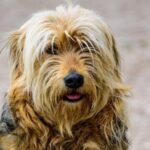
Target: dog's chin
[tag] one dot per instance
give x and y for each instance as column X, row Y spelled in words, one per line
column 73, row 97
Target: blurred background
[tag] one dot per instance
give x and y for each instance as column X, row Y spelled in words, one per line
column 130, row 23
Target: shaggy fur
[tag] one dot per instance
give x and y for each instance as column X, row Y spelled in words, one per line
column 43, row 52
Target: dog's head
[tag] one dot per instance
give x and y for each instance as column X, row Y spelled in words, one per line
column 68, row 61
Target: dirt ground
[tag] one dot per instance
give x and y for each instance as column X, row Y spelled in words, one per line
column 130, row 23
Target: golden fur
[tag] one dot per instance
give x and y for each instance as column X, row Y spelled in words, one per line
column 82, row 42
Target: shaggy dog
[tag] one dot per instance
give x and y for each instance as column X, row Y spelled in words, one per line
column 66, row 91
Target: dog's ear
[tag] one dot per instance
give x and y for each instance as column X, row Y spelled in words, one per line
column 115, row 51
column 15, row 44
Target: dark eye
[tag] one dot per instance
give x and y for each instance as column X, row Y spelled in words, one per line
column 84, row 45
column 87, row 45
column 52, row 50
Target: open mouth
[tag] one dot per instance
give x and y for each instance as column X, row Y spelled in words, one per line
column 73, row 97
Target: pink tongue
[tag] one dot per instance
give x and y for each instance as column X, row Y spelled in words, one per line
column 73, row 96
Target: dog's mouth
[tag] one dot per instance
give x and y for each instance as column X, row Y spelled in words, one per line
column 73, row 97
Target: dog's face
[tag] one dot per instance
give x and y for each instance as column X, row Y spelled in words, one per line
column 67, row 60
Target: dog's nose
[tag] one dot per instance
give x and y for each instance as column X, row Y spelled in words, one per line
column 74, row 80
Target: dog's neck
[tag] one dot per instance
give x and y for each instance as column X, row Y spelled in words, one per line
column 30, row 122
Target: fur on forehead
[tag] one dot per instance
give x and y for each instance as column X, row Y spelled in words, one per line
column 73, row 22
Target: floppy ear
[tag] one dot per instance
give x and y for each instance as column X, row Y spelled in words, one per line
column 16, row 43
column 113, row 115
column 115, row 51
column 111, row 43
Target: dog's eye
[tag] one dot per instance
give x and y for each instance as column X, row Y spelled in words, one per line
column 86, row 45
column 53, row 50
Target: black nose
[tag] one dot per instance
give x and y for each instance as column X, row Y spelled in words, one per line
column 74, row 80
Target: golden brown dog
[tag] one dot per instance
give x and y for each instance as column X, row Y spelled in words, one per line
column 66, row 91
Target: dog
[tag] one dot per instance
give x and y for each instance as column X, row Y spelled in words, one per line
column 66, row 91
